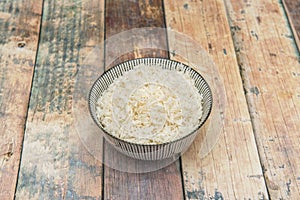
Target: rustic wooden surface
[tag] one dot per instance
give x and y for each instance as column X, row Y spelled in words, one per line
column 253, row 45
column 270, row 68
column 232, row 170
column 165, row 183
column 293, row 12
column 19, row 31
column 55, row 164
column 123, row 16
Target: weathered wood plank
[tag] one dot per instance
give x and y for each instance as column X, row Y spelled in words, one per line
column 124, row 16
column 292, row 8
column 55, row 164
column 232, row 170
column 269, row 62
column 19, row 32
column 164, row 183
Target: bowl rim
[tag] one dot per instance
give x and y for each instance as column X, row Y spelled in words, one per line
column 160, row 144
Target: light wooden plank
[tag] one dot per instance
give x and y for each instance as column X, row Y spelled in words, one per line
column 292, row 8
column 269, row 62
column 19, row 32
column 124, row 16
column 232, row 170
column 55, row 164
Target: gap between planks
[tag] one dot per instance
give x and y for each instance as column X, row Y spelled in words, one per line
column 268, row 56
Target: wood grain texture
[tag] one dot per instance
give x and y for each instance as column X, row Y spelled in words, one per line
column 232, row 170
column 124, row 16
column 19, row 32
column 55, row 164
column 270, row 67
column 292, row 8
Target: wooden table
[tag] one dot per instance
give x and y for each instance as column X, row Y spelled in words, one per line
column 255, row 45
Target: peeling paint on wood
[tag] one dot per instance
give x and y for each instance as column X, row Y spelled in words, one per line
column 293, row 12
column 269, row 64
column 235, row 156
column 55, row 164
column 19, row 29
column 195, row 194
column 254, row 90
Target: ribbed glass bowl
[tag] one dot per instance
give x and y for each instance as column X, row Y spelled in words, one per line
column 150, row 151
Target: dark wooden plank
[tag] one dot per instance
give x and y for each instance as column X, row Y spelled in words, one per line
column 270, row 68
column 232, row 169
column 19, row 32
column 55, row 164
column 292, row 8
column 124, row 16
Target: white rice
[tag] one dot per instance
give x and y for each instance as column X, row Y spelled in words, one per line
column 150, row 105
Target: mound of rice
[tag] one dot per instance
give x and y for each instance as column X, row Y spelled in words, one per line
column 150, row 105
